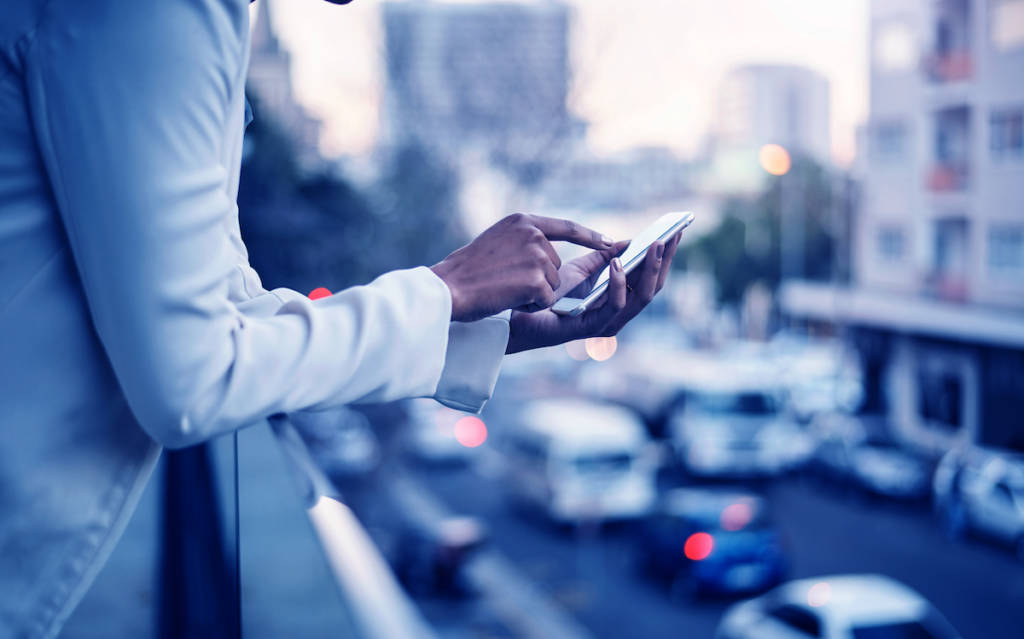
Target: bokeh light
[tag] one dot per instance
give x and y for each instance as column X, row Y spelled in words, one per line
column 601, row 348
column 774, row 159
column 698, row 546
column 319, row 293
column 736, row 516
column 470, row 431
column 577, row 350
column 819, row 594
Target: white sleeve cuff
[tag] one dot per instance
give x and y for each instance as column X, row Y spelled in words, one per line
column 472, row 362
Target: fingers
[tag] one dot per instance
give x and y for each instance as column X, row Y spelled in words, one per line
column 551, row 275
column 605, row 317
column 647, row 284
column 551, row 253
column 666, row 261
column 616, row 286
column 569, row 231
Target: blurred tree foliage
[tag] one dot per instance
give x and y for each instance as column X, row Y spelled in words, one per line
column 417, row 198
column 305, row 230
column 746, row 247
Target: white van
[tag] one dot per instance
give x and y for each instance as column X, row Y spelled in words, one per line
column 579, row 460
column 727, row 423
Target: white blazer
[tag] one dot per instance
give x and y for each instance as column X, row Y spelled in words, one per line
column 129, row 316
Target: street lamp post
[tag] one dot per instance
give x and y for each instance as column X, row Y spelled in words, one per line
column 775, row 160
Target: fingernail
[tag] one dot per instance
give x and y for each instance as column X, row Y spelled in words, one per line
column 607, row 240
column 616, row 264
column 659, row 251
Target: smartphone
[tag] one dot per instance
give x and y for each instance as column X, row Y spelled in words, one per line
column 662, row 229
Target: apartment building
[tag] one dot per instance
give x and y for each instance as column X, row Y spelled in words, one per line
column 936, row 309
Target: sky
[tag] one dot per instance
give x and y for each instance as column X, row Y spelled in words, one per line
column 646, row 71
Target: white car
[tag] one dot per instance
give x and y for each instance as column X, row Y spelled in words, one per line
column 579, row 460
column 736, row 430
column 862, row 452
column 836, row 607
column 821, row 376
column 983, row 492
column 341, row 441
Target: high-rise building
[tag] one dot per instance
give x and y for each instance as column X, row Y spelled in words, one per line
column 937, row 306
column 780, row 104
column 270, row 83
column 491, row 76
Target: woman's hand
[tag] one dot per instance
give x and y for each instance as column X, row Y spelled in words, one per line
column 625, row 297
column 511, row 265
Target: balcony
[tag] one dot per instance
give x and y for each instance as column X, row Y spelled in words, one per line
column 947, row 178
column 949, row 287
column 947, row 277
column 950, row 59
column 951, row 150
column 952, row 66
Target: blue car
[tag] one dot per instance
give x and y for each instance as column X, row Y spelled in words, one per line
column 712, row 541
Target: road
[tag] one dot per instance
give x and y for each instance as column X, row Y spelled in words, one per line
column 980, row 588
column 590, row 576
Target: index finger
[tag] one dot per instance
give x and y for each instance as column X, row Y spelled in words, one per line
column 568, row 231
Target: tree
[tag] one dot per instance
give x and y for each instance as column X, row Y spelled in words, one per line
column 309, row 230
column 746, row 247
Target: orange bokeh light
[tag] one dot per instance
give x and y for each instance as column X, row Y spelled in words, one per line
column 470, row 431
column 774, row 159
column 577, row 350
column 601, row 348
column 698, row 546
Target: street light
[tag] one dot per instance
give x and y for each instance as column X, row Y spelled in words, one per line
column 774, row 159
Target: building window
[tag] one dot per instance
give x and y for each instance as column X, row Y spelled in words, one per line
column 1006, row 249
column 950, row 248
column 952, row 142
column 889, row 141
column 1007, row 133
column 894, row 49
column 892, row 244
column 1006, row 24
column 948, row 277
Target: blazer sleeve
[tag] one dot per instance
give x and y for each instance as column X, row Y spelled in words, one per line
column 472, row 362
column 130, row 102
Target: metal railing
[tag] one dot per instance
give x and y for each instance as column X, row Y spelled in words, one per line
column 380, row 607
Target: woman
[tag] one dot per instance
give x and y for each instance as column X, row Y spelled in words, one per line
column 130, row 319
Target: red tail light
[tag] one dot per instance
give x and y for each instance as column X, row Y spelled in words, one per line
column 698, row 546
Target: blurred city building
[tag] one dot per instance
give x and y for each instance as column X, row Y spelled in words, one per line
column 270, row 84
column 766, row 104
column 633, row 180
column 486, row 81
column 936, row 308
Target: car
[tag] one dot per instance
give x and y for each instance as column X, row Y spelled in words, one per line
column 836, row 607
column 340, row 441
column 734, row 429
column 578, row 460
column 820, row 375
column 712, row 541
column 861, row 453
column 439, row 435
column 642, row 377
column 432, row 559
column 982, row 492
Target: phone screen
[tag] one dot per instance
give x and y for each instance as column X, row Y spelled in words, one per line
column 663, row 228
